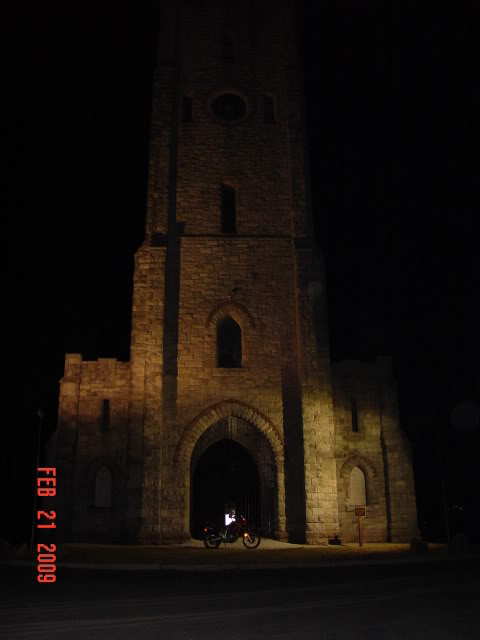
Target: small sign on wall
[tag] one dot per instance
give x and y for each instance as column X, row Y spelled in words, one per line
column 361, row 512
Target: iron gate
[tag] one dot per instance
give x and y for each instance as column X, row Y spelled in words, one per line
column 225, row 476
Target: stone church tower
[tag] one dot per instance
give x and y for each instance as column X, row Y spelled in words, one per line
column 230, row 397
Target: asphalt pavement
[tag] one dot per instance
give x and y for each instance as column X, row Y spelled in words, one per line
column 399, row 600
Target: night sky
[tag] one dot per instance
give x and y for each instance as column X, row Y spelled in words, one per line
column 392, row 104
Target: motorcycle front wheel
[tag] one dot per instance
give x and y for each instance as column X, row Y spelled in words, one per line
column 251, row 540
column 211, row 541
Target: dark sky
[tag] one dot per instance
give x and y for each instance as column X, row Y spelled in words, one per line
column 392, row 103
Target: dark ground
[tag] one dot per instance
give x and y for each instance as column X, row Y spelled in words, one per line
column 434, row 600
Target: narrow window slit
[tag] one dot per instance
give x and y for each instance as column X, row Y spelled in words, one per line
column 268, row 109
column 106, row 414
column 227, row 49
column 354, row 415
column 187, row 109
column 228, row 210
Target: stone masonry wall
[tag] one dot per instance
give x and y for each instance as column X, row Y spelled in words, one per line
column 90, row 445
column 260, row 271
column 249, row 275
column 362, row 449
column 268, row 277
column 312, row 325
column 398, row 456
column 391, row 507
column 317, row 405
column 249, row 155
column 146, row 393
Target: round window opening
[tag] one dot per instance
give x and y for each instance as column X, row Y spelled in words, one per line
column 229, row 107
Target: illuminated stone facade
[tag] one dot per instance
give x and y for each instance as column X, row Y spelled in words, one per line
column 228, row 119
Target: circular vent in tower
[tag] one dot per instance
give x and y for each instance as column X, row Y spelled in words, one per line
column 229, row 107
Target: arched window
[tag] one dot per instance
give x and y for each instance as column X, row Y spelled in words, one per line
column 103, row 488
column 358, row 494
column 229, row 343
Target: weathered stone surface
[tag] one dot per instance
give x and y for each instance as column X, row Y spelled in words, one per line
column 291, row 408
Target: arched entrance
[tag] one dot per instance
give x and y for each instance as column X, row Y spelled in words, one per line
column 232, row 466
column 225, row 477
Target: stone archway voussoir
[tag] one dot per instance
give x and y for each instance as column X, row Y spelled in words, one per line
column 209, row 416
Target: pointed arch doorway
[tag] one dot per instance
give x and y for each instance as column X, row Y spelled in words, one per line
column 232, row 466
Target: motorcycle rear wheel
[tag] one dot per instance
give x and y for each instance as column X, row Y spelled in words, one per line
column 251, row 540
column 211, row 541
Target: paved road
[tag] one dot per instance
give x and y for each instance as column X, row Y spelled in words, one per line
column 437, row 600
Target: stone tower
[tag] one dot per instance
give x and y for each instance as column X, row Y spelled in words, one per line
column 229, row 323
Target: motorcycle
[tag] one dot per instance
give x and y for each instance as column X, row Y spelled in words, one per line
column 214, row 537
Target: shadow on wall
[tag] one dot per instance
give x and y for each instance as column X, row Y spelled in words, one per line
column 295, row 508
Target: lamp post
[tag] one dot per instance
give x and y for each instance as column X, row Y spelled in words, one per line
column 40, row 415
